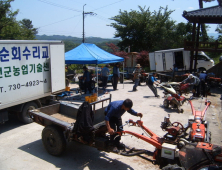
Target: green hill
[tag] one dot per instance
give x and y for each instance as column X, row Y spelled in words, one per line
column 72, row 42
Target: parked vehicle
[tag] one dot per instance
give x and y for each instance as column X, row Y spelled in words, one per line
column 59, row 120
column 164, row 60
column 31, row 72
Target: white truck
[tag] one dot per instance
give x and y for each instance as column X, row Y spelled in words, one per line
column 31, row 71
column 164, row 60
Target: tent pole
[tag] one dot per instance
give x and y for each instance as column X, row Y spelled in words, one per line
column 123, row 74
column 97, row 80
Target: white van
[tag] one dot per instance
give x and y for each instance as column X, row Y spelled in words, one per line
column 165, row 59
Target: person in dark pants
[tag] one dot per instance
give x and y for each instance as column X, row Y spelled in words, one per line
column 116, row 76
column 105, row 75
column 151, row 81
column 203, row 77
column 113, row 119
column 87, row 80
column 136, row 76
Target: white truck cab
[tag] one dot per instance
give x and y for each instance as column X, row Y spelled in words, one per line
column 203, row 61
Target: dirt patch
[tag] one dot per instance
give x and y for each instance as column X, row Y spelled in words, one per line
column 64, row 118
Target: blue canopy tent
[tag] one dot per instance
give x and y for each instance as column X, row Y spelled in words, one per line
column 90, row 54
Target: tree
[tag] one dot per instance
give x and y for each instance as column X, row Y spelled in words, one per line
column 115, row 50
column 27, row 30
column 143, row 29
column 10, row 28
column 219, row 30
column 143, row 59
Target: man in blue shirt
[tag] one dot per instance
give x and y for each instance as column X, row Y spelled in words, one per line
column 152, row 80
column 86, row 79
column 116, row 76
column 105, row 75
column 113, row 114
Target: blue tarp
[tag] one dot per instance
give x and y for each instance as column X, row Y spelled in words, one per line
column 90, row 54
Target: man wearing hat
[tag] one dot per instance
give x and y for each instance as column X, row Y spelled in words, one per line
column 195, row 82
column 136, row 76
column 105, row 74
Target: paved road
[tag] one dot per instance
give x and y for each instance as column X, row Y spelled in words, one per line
column 21, row 146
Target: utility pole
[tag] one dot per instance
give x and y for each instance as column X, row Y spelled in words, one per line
column 83, row 16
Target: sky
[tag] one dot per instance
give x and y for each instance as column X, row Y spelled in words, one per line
column 64, row 17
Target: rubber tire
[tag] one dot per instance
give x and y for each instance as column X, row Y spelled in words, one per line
column 53, row 134
column 166, row 103
column 24, row 116
column 172, row 167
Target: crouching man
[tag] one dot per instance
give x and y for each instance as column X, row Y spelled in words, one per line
column 113, row 119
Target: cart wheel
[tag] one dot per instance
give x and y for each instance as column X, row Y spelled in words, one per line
column 24, row 115
column 166, row 103
column 53, row 140
column 172, row 167
column 181, row 110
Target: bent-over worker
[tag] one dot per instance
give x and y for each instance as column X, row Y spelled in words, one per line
column 113, row 119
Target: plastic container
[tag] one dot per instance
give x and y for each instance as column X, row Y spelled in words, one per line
column 67, row 89
column 87, row 98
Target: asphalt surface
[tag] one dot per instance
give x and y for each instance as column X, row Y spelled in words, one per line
column 21, row 147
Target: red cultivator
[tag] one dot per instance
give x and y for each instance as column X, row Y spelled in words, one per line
column 172, row 98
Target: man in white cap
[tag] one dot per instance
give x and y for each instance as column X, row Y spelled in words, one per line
column 136, row 76
column 195, row 82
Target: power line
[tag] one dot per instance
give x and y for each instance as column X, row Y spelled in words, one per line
column 60, row 21
column 107, row 5
column 58, row 5
column 61, row 6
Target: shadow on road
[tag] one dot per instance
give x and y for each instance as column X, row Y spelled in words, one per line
column 12, row 123
column 76, row 156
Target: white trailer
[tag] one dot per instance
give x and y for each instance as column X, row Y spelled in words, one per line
column 164, row 60
column 31, row 71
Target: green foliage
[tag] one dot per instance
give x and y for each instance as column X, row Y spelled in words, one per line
column 143, row 59
column 219, row 30
column 27, row 30
column 10, row 29
column 69, row 45
column 144, row 30
column 74, row 67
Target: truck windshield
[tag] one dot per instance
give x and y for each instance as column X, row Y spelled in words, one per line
column 203, row 56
